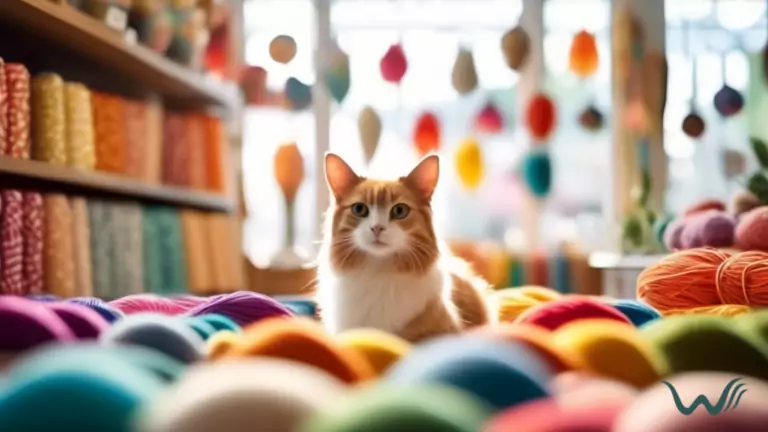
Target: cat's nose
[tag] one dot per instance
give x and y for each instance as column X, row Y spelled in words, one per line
column 377, row 230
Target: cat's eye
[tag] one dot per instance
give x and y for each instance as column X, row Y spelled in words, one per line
column 359, row 209
column 399, row 211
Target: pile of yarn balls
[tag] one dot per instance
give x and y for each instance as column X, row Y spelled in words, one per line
column 245, row 362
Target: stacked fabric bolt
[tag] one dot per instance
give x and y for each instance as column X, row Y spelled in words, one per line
column 49, row 120
column 15, row 94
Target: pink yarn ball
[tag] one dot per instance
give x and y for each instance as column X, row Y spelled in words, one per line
column 242, row 307
column 140, row 303
column 84, row 322
column 672, row 234
column 709, row 228
column 752, row 230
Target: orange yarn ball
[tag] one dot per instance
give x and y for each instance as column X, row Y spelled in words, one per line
column 538, row 339
column 705, row 277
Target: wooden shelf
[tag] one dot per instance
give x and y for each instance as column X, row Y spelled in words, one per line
column 64, row 177
column 62, row 25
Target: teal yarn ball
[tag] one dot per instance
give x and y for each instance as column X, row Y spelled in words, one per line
column 637, row 312
column 95, row 400
column 202, row 328
column 87, row 355
column 660, row 227
column 502, row 375
column 220, row 322
column 537, row 172
column 168, row 335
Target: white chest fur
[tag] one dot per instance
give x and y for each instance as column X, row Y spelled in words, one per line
column 375, row 299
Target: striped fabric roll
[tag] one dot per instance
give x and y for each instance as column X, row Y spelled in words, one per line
column 3, row 108
column 127, row 266
column 49, row 132
column 175, row 153
column 13, row 242
column 153, row 249
column 59, row 247
column 18, row 137
column 34, row 242
column 101, row 248
column 81, row 232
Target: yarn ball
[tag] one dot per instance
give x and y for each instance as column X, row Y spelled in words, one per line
column 168, row 335
column 221, row 342
column 108, row 312
column 673, row 233
column 219, row 322
column 297, row 94
column 637, row 312
column 611, row 349
column 306, row 308
column 693, row 125
column 243, row 307
column 691, row 237
column 705, row 205
column 44, row 297
column 718, row 229
column 728, row 101
column 576, row 389
column 557, row 313
column 755, row 324
column 84, row 322
column 502, row 375
column 744, row 201
column 752, row 230
column 548, row 416
column 655, row 410
column 141, row 303
column 537, row 172
column 381, row 349
column 394, row 64
column 303, row 341
column 98, row 398
column 243, row 395
column 282, row 49
column 535, row 338
column 727, row 310
column 202, row 328
column 691, row 343
column 189, row 301
column 424, row 408
column 514, row 301
column 660, row 228
column 25, row 324
column 84, row 356
column 540, row 293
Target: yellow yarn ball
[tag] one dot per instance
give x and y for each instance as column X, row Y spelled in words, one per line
column 514, row 301
column 469, row 163
column 381, row 349
column 221, row 342
column 728, row 310
column 611, row 349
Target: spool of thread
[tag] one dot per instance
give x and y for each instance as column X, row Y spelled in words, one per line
column 3, row 107
column 109, row 129
column 637, row 312
column 127, row 262
column 12, row 242
column 381, row 349
column 242, row 307
column 152, row 161
column 49, row 131
column 18, row 137
column 84, row 322
column 548, row 415
column 235, row 396
column 59, row 246
column 535, row 338
column 34, row 233
column 419, row 408
column 168, row 335
column 611, row 349
column 26, row 324
column 82, row 243
column 135, row 133
column 696, row 343
column 99, row 306
column 199, row 268
column 555, row 314
column 81, row 137
column 502, row 375
column 101, row 248
column 175, row 158
column 303, row 341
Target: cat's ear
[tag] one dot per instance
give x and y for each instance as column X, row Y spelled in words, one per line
column 341, row 178
column 425, row 175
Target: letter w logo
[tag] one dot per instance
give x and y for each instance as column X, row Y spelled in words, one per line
column 729, row 399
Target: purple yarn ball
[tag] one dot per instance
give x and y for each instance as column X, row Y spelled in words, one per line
column 690, row 237
column 242, row 307
column 672, row 234
column 718, row 230
column 26, row 324
column 84, row 322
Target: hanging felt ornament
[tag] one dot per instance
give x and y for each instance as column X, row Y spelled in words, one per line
column 489, row 120
column 289, row 175
column 297, row 94
column 537, row 172
column 728, row 101
column 469, row 163
column 540, row 116
column 254, row 85
column 337, row 78
column 591, row 119
column 515, row 45
column 426, row 134
column 394, row 64
column 464, row 75
column 693, row 125
column 734, row 163
column 369, row 127
column 282, row 49
column 584, row 58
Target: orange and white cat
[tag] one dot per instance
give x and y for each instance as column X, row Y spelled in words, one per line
column 382, row 266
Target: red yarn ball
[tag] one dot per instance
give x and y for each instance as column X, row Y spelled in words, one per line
column 555, row 314
column 547, row 415
column 540, row 116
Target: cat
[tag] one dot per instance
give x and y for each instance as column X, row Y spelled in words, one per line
column 382, row 266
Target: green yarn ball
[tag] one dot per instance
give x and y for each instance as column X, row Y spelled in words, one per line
column 202, row 328
column 220, row 322
column 707, row 343
column 408, row 408
column 660, row 227
column 755, row 325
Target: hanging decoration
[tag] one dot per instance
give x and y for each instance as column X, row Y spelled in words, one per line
column 426, row 135
column 537, row 172
column 693, row 125
column 540, row 117
column 394, row 64
column 728, row 101
column 289, row 174
column 734, row 163
column 515, row 45
column 369, row 127
column 464, row 75
column 282, row 49
column 337, row 79
column 489, row 120
column 298, row 95
column 254, row 85
column 591, row 119
column 583, row 58
column 469, row 163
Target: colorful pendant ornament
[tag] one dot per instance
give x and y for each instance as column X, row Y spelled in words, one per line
column 583, row 56
column 282, row 49
column 464, row 74
column 369, row 127
column 289, row 175
column 394, row 64
column 337, row 78
column 592, row 119
column 489, row 120
column 540, row 117
column 515, row 46
column 298, row 95
column 728, row 101
column 469, row 164
column 426, row 134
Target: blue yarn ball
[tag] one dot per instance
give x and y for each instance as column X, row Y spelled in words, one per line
column 44, row 298
column 537, row 172
column 105, row 310
column 169, row 335
column 202, row 328
column 220, row 322
column 301, row 307
column 637, row 312
column 503, row 375
column 299, row 95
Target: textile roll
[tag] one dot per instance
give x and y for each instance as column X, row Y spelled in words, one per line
column 59, row 247
column 34, row 242
column 3, row 108
column 18, row 136
column 127, row 266
column 49, row 131
column 174, row 275
column 228, row 270
column 198, row 253
column 109, row 124
column 175, row 154
column 152, row 163
column 153, row 250
column 216, row 151
column 12, row 242
column 196, row 147
column 81, row 232
column 101, row 248
column 135, row 137
column 81, row 139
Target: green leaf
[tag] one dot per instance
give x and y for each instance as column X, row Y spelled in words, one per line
column 758, row 185
column 645, row 188
column 760, row 148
